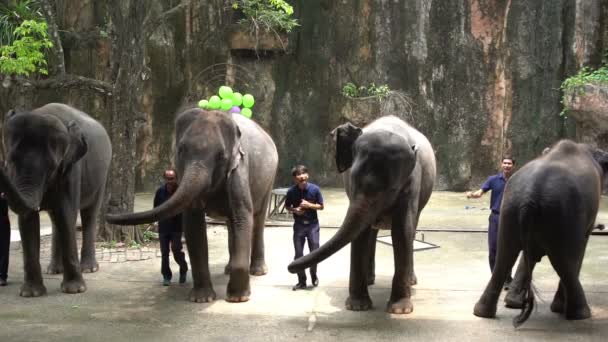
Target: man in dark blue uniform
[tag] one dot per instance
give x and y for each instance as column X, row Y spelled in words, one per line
column 303, row 200
column 496, row 184
column 5, row 239
column 170, row 232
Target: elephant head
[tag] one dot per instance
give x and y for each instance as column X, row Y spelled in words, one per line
column 208, row 148
column 379, row 164
column 39, row 150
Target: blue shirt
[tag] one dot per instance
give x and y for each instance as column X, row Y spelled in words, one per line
column 171, row 224
column 495, row 183
column 294, row 197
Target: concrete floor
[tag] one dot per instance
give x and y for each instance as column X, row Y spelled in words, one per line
column 125, row 301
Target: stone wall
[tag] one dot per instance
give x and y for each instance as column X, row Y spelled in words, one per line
column 479, row 77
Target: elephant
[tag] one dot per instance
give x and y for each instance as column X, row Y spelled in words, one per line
column 388, row 171
column 226, row 166
column 57, row 159
column 549, row 208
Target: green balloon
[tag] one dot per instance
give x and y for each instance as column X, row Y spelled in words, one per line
column 237, row 99
column 246, row 112
column 248, row 101
column 226, row 104
column 225, row 92
column 203, row 104
column 214, row 102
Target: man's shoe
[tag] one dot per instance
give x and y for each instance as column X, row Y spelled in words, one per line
column 166, row 282
column 3, row 282
column 299, row 286
column 315, row 282
column 182, row 277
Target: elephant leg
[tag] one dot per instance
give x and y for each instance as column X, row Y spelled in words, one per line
column 371, row 272
column 64, row 218
column 88, row 216
column 509, row 246
column 403, row 251
column 195, row 230
column 29, row 228
column 359, row 299
column 238, row 289
column 230, row 247
column 56, row 264
column 567, row 266
column 516, row 296
column 258, row 263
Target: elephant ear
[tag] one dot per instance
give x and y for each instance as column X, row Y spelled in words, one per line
column 345, row 136
column 601, row 157
column 77, row 147
column 237, row 152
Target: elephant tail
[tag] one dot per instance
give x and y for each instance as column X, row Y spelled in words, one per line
column 526, row 220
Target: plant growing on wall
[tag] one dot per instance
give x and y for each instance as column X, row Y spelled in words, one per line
column 575, row 84
column 351, row 90
column 13, row 14
column 266, row 15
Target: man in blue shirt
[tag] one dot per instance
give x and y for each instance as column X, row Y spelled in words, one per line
column 496, row 184
column 303, row 200
column 5, row 239
column 170, row 232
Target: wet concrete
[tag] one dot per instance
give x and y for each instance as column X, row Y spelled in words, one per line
column 125, row 301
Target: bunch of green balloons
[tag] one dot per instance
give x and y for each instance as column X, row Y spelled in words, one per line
column 229, row 101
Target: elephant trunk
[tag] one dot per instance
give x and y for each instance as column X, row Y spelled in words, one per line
column 19, row 202
column 193, row 183
column 359, row 216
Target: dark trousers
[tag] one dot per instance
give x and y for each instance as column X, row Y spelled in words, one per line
column 174, row 240
column 5, row 244
column 492, row 239
column 302, row 233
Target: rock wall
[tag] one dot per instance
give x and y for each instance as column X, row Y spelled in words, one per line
column 479, row 77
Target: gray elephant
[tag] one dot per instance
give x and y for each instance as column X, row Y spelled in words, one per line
column 57, row 159
column 389, row 171
column 226, row 164
column 549, row 208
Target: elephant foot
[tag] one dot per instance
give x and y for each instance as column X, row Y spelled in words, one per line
column 412, row 280
column 73, row 286
column 234, row 297
column 557, row 306
column 89, row 266
column 202, row 295
column 402, row 306
column 484, row 310
column 358, row 304
column 32, row 290
column 581, row 312
column 54, row 268
column 514, row 300
column 258, row 268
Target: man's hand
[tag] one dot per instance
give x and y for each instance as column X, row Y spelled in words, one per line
column 298, row 211
column 474, row 194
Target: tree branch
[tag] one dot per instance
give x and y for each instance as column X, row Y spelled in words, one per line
column 67, row 81
column 151, row 24
column 57, row 50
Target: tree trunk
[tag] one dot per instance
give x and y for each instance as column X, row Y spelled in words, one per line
column 129, row 67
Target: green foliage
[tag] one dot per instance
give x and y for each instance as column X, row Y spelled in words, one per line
column 26, row 54
column 12, row 16
column 575, row 84
column 268, row 15
column 351, row 90
column 148, row 235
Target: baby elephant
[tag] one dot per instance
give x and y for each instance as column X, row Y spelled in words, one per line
column 549, row 208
